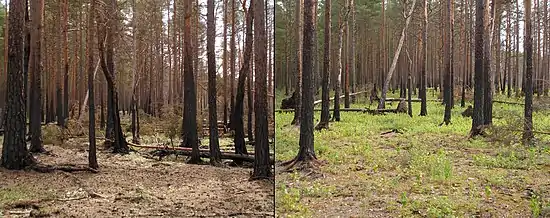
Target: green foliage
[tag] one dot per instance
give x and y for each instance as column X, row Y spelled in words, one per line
column 440, row 207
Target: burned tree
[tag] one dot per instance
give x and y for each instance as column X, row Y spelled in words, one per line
column 15, row 155
column 214, row 144
column 262, row 167
column 106, row 28
column 306, row 154
column 189, row 124
column 237, row 115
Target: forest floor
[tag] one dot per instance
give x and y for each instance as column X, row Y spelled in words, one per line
column 420, row 170
column 132, row 186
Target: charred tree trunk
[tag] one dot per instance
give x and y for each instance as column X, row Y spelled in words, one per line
column 237, row 119
column 528, row 47
column 190, row 137
column 325, row 114
column 92, row 159
column 214, row 145
column 423, row 76
column 479, row 82
column 262, row 167
column 15, row 155
column 35, row 68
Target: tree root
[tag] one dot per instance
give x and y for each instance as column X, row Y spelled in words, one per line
column 321, row 126
column 308, row 164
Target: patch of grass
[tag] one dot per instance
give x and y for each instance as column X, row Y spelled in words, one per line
column 440, row 206
column 288, row 202
column 437, row 166
column 425, row 170
column 507, row 159
column 11, row 194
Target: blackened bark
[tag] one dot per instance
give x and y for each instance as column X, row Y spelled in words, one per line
column 106, row 54
column 307, row 151
column 423, row 77
column 449, row 65
column 190, row 137
column 325, row 114
column 262, row 167
column 35, row 68
column 214, row 145
column 237, row 119
column 528, row 47
column 14, row 151
column 479, row 83
column 92, row 159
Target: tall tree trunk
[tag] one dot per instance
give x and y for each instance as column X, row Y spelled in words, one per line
column 341, row 23
column 224, row 66
column 66, row 60
column 232, row 63
column 15, row 155
column 92, row 159
column 528, row 48
column 298, row 90
column 237, row 119
column 214, row 144
column 262, row 168
column 449, row 64
column 135, row 76
column 489, row 74
column 189, row 124
column 106, row 54
column 35, row 68
column 306, row 154
column 479, row 82
column 423, row 76
column 325, row 104
column 382, row 103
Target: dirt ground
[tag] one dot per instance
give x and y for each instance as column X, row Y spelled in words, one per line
column 133, row 186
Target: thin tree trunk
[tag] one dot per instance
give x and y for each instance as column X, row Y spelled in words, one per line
column 325, row 114
column 528, row 48
column 92, row 159
column 298, row 90
column 382, row 104
column 423, row 76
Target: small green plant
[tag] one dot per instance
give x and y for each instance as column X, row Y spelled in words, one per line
column 440, row 207
column 536, row 205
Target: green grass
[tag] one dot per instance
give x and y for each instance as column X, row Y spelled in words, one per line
column 429, row 170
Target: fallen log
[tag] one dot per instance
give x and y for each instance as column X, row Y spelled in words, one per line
column 203, row 152
column 363, row 110
column 343, row 96
column 508, row 102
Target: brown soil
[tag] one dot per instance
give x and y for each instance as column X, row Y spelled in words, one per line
column 132, row 186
